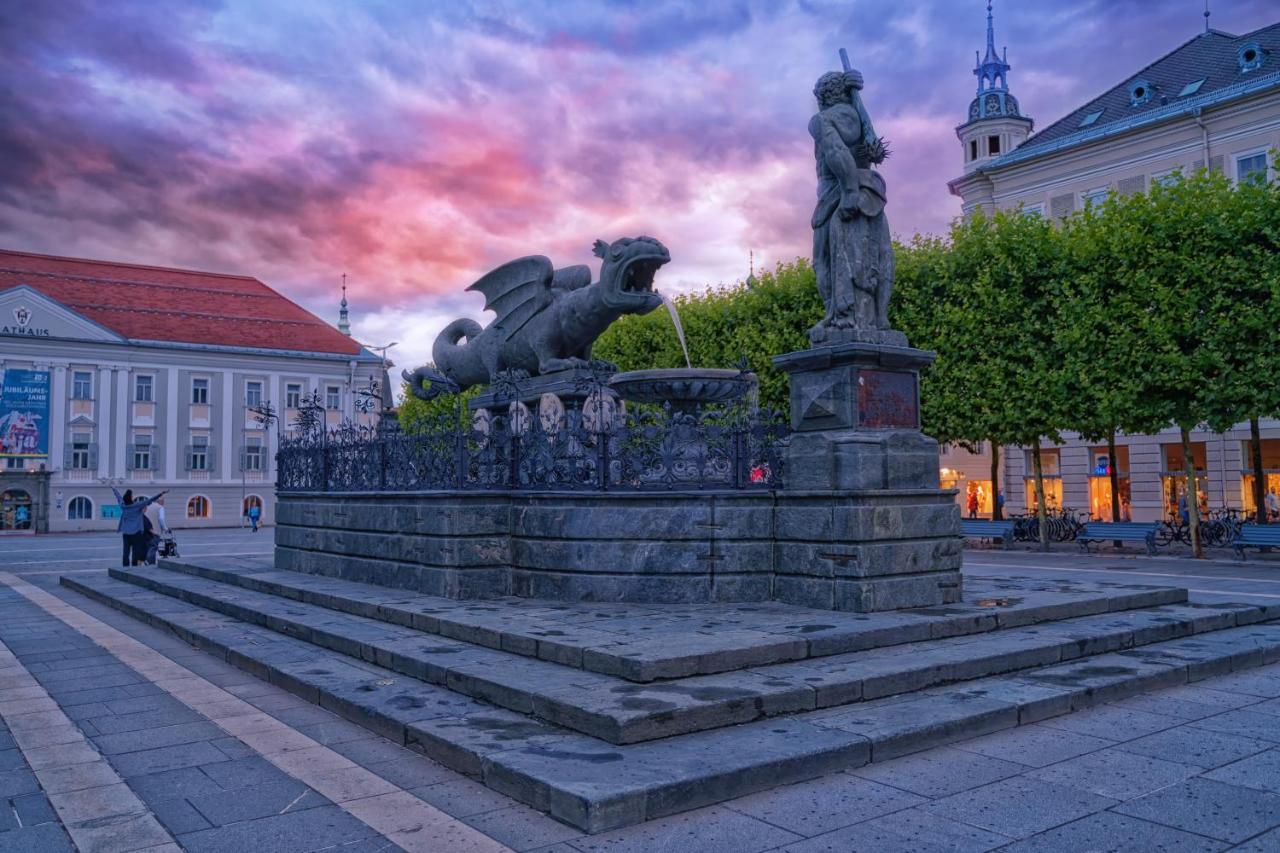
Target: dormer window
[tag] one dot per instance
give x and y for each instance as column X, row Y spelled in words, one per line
column 1192, row 87
column 1140, row 91
column 1090, row 118
column 1250, row 57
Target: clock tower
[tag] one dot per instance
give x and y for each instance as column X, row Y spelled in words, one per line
column 995, row 125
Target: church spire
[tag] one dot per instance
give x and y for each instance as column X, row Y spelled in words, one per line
column 992, row 70
column 344, row 321
column 994, row 125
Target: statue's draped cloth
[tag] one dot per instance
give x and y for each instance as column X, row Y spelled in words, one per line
column 852, row 248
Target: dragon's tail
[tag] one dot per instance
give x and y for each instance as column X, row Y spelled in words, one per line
column 446, row 345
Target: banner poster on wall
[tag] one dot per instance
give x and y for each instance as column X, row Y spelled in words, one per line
column 24, row 414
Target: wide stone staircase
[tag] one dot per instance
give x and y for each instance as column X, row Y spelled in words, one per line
column 605, row 715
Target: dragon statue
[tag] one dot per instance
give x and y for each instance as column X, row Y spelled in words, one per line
column 547, row 318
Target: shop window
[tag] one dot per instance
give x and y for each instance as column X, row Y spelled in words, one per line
column 16, row 511
column 1270, row 474
column 80, row 509
column 1051, row 470
column 198, row 507
column 977, row 498
column 1174, row 478
column 1100, row 497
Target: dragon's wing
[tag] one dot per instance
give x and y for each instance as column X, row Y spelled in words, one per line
column 516, row 291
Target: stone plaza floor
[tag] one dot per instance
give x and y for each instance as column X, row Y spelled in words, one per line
column 120, row 737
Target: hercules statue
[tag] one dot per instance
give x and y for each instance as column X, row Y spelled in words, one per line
column 852, row 248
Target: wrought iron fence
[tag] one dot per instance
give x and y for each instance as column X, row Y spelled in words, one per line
column 643, row 449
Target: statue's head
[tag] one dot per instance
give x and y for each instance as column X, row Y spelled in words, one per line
column 830, row 90
column 626, row 276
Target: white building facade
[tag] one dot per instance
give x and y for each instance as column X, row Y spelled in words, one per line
column 1212, row 102
column 163, row 395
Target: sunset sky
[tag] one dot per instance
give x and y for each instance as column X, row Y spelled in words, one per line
column 414, row 145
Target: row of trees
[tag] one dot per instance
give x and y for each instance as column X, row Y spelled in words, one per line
column 1149, row 310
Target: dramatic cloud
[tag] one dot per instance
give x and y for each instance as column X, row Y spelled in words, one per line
column 415, row 145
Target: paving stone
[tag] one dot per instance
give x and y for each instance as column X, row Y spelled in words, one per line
column 32, row 809
column 287, row 833
column 177, row 814
column 166, row 758
column 1267, row 842
column 1116, row 774
column 77, row 777
column 1034, row 746
column 908, row 831
column 939, row 772
column 255, row 770
column 710, row 830
column 255, row 801
column 1208, row 807
column 1108, row 832
column 1018, row 807
column 1200, row 747
column 1261, row 771
column 521, row 828
column 826, row 803
column 135, row 741
column 1242, row 722
column 45, row 838
column 114, row 723
column 186, row 782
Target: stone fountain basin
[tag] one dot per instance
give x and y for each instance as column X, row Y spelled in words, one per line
column 682, row 387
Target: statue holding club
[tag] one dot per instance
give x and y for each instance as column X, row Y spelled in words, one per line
column 852, row 248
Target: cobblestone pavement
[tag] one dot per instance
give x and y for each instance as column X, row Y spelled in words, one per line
column 119, row 737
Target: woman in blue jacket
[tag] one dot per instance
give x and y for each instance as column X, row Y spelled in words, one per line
column 131, row 526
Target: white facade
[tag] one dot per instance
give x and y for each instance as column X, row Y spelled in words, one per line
column 155, row 416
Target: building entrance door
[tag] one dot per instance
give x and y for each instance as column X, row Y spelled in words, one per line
column 16, row 511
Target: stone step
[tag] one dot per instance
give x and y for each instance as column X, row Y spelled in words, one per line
column 622, row 712
column 645, row 643
column 597, row 786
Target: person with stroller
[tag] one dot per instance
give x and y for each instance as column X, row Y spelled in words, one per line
column 132, row 526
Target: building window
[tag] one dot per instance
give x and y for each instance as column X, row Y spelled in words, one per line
column 1051, row 471
column 1036, row 210
column 973, row 149
column 292, row 395
column 143, row 390
column 1090, row 118
column 200, row 391
column 1252, row 169
column 142, row 453
column 82, row 385
column 81, row 455
column 993, row 145
column 1174, row 477
column 199, row 454
column 1192, row 87
column 251, row 455
column 198, row 507
column 1140, row 91
column 1250, row 57
column 1166, row 179
column 80, row 509
column 332, row 397
column 253, row 394
column 1100, row 497
column 1096, row 198
column 14, row 463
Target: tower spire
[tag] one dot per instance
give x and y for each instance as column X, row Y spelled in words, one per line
column 344, row 320
column 991, row 36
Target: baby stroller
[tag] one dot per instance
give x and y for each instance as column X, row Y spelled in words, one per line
column 168, row 545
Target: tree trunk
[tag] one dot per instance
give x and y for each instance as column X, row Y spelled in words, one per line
column 1255, row 462
column 996, row 513
column 1041, row 511
column 1193, row 496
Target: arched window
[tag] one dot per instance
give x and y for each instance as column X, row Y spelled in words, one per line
column 198, row 507
column 80, row 509
column 250, row 502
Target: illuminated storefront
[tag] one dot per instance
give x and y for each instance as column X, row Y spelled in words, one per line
column 1270, row 476
column 1100, row 497
column 1051, row 473
column 1174, row 477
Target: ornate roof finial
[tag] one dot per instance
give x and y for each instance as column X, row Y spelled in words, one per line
column 344, row 321
column 1206, row 17
column 991, row 35
column 751, row 276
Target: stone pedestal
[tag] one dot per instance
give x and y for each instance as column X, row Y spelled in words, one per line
column 855, row 409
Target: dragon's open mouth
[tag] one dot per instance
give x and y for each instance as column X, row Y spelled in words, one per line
column 639, row 275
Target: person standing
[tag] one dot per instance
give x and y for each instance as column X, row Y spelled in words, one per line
column 1273, row 505
column 131, row 526
column 255, row 512
column 973, row 504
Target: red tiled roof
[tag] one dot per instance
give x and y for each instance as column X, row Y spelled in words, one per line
column 185, row 306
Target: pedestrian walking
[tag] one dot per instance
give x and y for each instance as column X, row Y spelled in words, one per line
column 131, row 526
column 255, row 512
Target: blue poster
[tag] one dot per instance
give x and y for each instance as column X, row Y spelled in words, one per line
column 24, row 414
